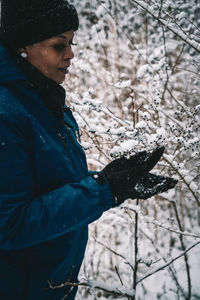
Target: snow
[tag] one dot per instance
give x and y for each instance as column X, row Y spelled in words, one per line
column 143, row 70
column 145, row 93
column 141, row 124
column 123, row 84
column 129, row 146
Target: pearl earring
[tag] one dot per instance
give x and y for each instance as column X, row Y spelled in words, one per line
column 24, row 55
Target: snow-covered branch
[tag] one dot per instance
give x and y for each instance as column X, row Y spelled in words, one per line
column 168, row 25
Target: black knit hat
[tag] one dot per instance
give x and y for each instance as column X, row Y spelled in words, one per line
column 24, row 22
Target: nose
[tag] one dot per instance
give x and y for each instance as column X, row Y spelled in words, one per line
column 69, row 54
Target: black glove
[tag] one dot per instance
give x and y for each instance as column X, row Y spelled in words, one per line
column 130, row 178
column 146, row 187
column 121, row 169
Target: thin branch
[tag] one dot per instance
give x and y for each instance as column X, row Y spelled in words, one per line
column 196, row 236
column 178, row 59
column 181, row 35
column 183, row 248
column 121, row 28
column 108, row 112
column 95, row 143
column 189, row 71
column 166, row 61
column 160, row 9
column 136, row 249
column 182, row 177
column 116, row 253
column 117, row 271
column 171, row 271
column 94, row 284
column 167, row 264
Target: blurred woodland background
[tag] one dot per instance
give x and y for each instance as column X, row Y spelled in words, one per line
column 134, row 84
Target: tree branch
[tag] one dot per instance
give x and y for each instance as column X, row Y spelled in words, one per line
column 168, row 263
column 116, row 253
column 94, row 284
column 174, row 230
column 181, row 35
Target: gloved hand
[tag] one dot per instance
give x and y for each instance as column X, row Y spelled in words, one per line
column 120, row 170
column 146, row 187
column 130, row 178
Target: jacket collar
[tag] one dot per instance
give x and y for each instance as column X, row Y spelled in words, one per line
column 52, row 94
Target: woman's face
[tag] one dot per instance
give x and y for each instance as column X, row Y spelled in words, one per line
column 52, row 56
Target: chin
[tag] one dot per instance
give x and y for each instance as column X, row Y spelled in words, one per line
column 59, row 81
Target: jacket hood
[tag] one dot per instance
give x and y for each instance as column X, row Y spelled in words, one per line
column 9, row 71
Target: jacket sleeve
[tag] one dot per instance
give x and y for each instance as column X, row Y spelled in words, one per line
column 27, row 221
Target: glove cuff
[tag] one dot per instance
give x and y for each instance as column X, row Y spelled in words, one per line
column 101, row 179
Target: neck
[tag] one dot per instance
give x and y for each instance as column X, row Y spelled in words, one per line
column 52, row 94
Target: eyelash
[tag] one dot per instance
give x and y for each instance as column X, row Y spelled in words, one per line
column 61, row 47
column 72, row 44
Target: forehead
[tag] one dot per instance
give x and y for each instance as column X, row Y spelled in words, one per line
column 68, row 35
column 62, row 37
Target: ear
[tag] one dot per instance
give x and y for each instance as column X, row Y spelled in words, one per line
column 21, row 50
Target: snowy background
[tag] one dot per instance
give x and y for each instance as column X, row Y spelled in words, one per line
column 134, row 84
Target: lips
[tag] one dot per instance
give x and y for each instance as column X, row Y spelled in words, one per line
column 64, row 69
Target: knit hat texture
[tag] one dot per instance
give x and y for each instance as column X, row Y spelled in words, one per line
column 25, row 22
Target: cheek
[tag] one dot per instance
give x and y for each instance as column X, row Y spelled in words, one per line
column 36, row 59
column 42, row 62
column 49, row 61
column 45, row 60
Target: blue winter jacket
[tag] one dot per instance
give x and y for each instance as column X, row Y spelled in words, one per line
column 47, row 196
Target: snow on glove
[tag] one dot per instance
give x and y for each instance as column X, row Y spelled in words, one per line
column 146, row 187
column 121, row 169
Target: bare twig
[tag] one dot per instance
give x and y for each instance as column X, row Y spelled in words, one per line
column 116, row 253
column 160, row 9
column 117, row 271
column 171, row 271
column 183, row 248
column 178, row 59
column 136, row 249
column 94, row 284
column 108, row 112
column 168, row 263
column 175, row 230
column 182, row 177
column 166, row 61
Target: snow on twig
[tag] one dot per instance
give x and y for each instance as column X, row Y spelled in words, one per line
column 170, row 27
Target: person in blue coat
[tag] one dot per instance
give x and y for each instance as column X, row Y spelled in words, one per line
column 47, row 194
